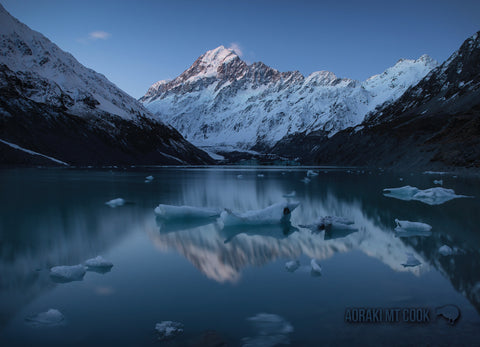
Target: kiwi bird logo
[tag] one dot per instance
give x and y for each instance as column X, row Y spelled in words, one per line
column 450, row 312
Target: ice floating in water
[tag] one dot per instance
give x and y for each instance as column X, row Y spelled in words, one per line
column 98, row 262
column 306, row 180
column 400, row 179
column 431, row 196
column 271, row 330
column 274, row 214
column 149, row 178
column 435, row 173
column 439, row 182
column 239, row 176
column 185, row 212
column 52, row 317
column 168, row 329
column 116, row 202
column 311, row 173
column 67, row 273
column 405, row 228
column 292, row 266
column 316, row 268
column 260, row 175
column 290, row 195
column 330, row 223
column 445, row 250
column 411, row 261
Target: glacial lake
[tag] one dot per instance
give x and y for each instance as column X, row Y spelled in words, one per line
column 233, row 287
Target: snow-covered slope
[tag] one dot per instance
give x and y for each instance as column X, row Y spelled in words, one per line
column 53, row 105
column 222, row 101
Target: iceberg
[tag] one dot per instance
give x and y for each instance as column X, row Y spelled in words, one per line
column 170, row 212
column 411, row 261
column 275, row 214
column 405, row 228
column 115, row 202
column 271, row 330
column 98, row 262
column 168, row 329
column 65, row 273
column 292, row 266
column 431, row 196
column 52, row 317
column 445, row 250
column 316, row 269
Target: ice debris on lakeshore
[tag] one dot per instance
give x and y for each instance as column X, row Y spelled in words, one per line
column 411, row 261
column 439, row 182
column 271, row 330
column 66, row 273
column 431, row 196
column 445, row 250
column 115, row 202
column 168, row 329
column 98, row 262
column 316, row 269
column 292, row 266
column 275, row 214
column 170, row 212
column 52, row 317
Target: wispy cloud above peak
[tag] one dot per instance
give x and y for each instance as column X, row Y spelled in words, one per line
column 99, row 35
column 236, row 48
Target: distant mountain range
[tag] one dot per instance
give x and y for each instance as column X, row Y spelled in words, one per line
column 54, row 110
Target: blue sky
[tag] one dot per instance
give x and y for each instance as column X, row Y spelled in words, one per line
column 136, row 43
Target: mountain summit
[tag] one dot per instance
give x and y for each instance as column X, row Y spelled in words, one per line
column 220, row 101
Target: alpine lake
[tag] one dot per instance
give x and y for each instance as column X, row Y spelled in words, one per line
column 253, row 285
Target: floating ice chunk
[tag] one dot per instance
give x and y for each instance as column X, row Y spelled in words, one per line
column 67, row 273
column 52, row 317
column 271, row 330
column 260, row 175
column 290, row 195
column 274, row 214
column 431, row 196
column 440, row 182
column 445, row 250
column 239, row 176
column 168, row 329
column 98, row 262
column 306, row 180
column 331, row 223
column 411, row 261
column 292, row 266
column 185, row 212
column 405, row 225
column 116, row 202
column 400, row 179
column 316, row 269
column 149, row 178
column 311, row 173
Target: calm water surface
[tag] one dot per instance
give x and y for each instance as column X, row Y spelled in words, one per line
column 213, row 280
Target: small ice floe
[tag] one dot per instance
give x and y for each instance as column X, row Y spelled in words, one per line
column 331, row 223
column 404, row 228
column 260, row 175
column 149, row 179
column 431, row 196
column 316, row 269
column 239, row 176
column 306, row 180
column 168, row 329
column 400, row 179
column 275, row 214
column 115, row 202
column 292, row 266
column 98, row 264
column 439, row 182
column 52, row 317
column 311, row 173
column 185, row 212
column 411, row 261
column 445, row 250
column 66, row 273
column 271, row 330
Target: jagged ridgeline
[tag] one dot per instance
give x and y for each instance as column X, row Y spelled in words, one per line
column 53, row 109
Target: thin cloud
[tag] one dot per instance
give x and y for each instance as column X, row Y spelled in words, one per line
column 99, row 35
column 236, row 48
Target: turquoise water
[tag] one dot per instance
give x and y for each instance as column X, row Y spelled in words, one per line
column 213, row 280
